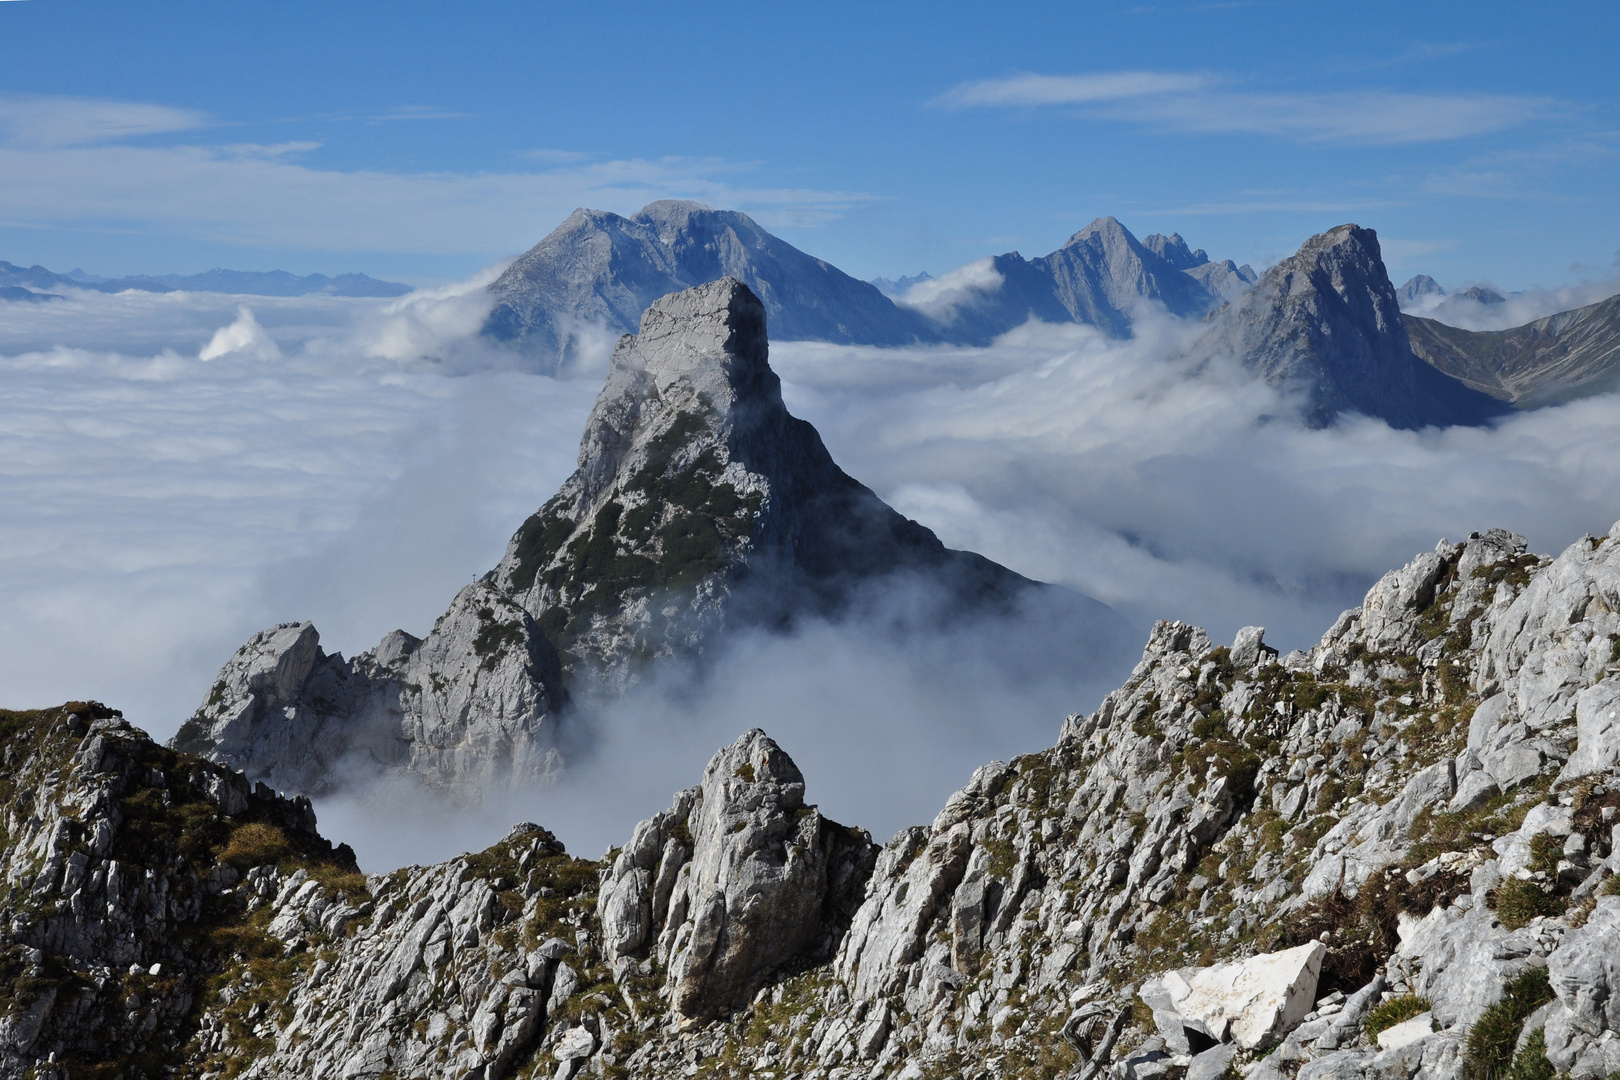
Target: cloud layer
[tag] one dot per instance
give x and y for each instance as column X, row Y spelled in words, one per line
column 161, row 508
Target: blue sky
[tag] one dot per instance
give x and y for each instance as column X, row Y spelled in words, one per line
column 420, row 141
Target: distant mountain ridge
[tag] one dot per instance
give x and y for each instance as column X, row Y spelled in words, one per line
column 1562, row 357
column 241, row 282
column 599, row 269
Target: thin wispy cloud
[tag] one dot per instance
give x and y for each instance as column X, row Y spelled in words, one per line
column 33, row 120
column 1068, row 89
column 66, row 162
column 1203, row 104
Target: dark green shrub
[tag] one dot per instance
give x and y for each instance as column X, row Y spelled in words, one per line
column 1531, row 1062
column 1517, row 901
column 1492, row 1038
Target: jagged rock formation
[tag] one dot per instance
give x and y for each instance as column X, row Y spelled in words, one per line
column 1326, row 321
column 1571, row 355
column 700, row 502
column 700, row 506
column 475, row 703
column 1391, row 856
column 737, row 883
column 600, row 269
column 1224, row 280
column 1098, row 277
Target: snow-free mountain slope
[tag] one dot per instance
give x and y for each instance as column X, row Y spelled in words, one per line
column 700, row 502
column 1326, row 321
column 1562, row 357
column 1391, row 856
column 600, row 270
column 1099, row 277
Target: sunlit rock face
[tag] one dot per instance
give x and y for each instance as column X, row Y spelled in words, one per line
column 1346, row 862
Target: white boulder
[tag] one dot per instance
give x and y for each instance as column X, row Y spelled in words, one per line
column 1250, row 1002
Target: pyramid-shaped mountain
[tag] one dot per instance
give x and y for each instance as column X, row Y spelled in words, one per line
column 1327, row 321
column 600, row 269
column 700, row 507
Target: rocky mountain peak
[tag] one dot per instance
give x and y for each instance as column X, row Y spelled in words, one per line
column 700, row 502
column 1326, row 321
column 1174, row 250
column 705, row 348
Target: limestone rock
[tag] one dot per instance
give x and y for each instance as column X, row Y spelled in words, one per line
column 767, row 881
column 1254, row 1001
column 475, row 704
column 700, row 505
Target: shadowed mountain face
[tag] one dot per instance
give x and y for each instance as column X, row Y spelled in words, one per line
column 1327, row 320
column 700, row 508
column 1098, row 278
column 1573, row 354
column 600, row 269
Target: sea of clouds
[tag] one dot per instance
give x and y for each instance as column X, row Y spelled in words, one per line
column 181, row 470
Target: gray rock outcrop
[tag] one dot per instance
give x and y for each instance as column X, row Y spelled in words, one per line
column 1326, row 322
column 700, row 504
column 737, row 882
column 1217, row 844
column 476, row 703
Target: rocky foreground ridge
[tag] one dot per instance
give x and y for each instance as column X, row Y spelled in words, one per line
column 1390, row 856
column 700, row 507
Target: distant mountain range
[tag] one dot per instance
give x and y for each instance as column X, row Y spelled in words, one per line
column 1570, row 355
column 598, row 269
column 35, row 280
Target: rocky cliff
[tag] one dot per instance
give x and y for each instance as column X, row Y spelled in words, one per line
column 1327, row 322
column 1571, row 355
column 701, row 503
column 1393, row 855
column 700, row 507
column 475, row 703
